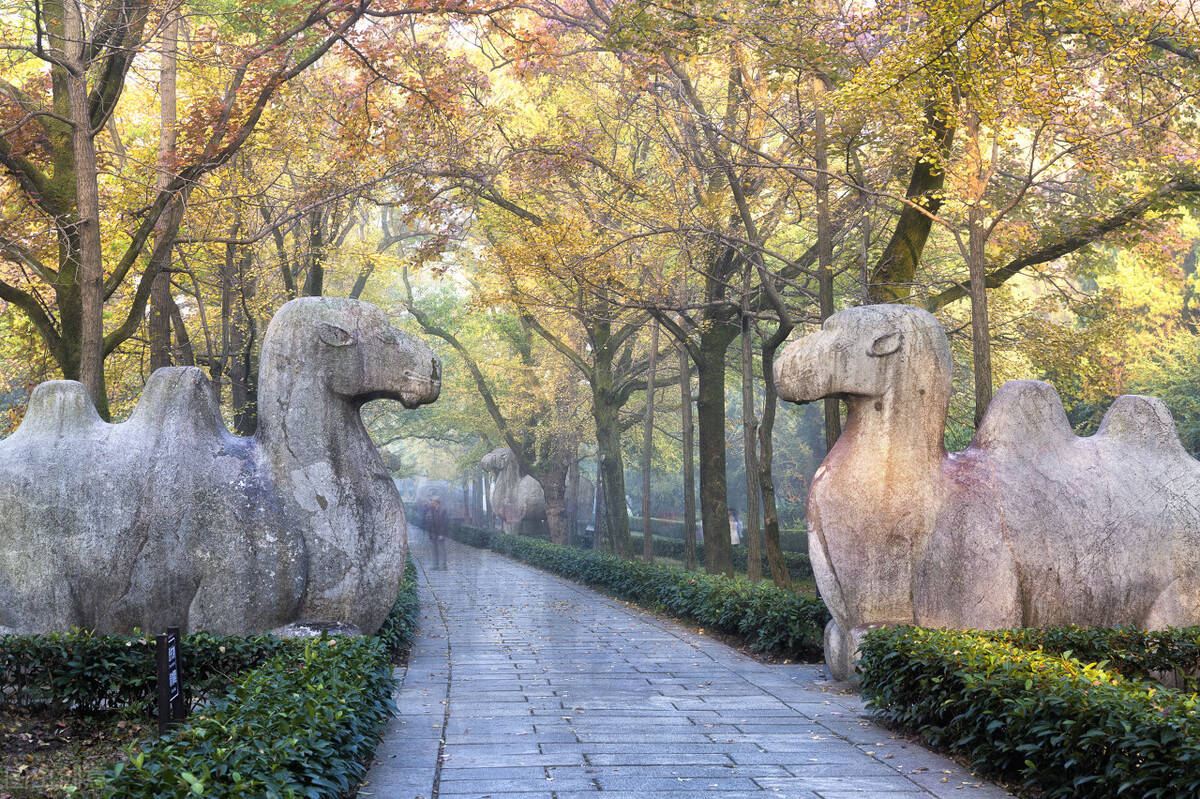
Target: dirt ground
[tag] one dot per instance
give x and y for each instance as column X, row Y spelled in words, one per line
column 52, row 756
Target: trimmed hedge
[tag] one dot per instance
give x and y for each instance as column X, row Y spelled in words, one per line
column 297, row 718
column 672, row 529
column 303, row 724
column 91, row 674
column 798, row 564
column 1050, row 722
column 770, row 619
column 1130, row 651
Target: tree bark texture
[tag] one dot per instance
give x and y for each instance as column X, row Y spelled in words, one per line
column 750, row 444
column 710, row 418
column 689, row 459
column 647, row 449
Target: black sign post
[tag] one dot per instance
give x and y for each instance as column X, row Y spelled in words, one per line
column 172, row 707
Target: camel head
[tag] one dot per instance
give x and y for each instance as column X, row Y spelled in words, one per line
column 867, row 351
column 497, row 460
column 352, row 348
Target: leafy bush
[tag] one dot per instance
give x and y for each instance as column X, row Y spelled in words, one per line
column 398, row 628
column 1130, row 651
column 1051, row 722
column 798, row 564
column 303, row 724
column 297, row 718
column 769, row 618
column 91, row 674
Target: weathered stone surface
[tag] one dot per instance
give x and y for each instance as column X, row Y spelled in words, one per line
column 514, row 498
column 1030, row 525
column 168, row 518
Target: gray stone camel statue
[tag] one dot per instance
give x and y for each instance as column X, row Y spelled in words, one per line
column 1029, row 526
column 167, row 518
column 514, row 498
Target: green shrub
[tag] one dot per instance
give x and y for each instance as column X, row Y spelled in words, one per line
column 1050, row 722
column 1130, row 651
column 769, row 618
column 302, row 724
column 398, row 628
column 277, row 717
column 798, row 564
column 91, row 674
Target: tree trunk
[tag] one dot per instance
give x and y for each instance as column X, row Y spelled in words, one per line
column 710, row 417
column 161, row 303
column 87, row 203
column 775, row 558
column 554, row 486
column 489, row 512
column 599, row 511
column 573, row 501
column 647, row 448
column 833, row 420
column 981, row 343
column 892, row 278
column 612, row 474
column 689, row 460
column 750, row 443
column 314, row 281
column 243, row 374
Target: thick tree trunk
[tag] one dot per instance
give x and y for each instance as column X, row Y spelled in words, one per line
column 689, row 460
column 892, row 278
column 556, row 510
column 599, row 511
column 750, row 443
column 766, row 452
column 981, row 342
column 833, row 420
column 90, row 275
column 161, row 303
column 647, row 449
column 573, row 501
column 243, row 373
column 314, row 281
column 710, row 417
column 612, row 473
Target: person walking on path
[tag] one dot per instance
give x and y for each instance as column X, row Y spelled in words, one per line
column 435, row 527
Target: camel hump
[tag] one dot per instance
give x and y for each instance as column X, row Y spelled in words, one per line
column 1140, row 420
column 1023, row 415
column 178, row 397
column 59, row 409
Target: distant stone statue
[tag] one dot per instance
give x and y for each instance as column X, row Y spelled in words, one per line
column 1029, row 526
column 515, row 499
column 168, row 518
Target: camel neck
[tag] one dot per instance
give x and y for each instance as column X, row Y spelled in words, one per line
column 889, row 434
column 301, row 421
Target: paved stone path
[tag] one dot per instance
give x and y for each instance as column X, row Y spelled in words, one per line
column 522, row 685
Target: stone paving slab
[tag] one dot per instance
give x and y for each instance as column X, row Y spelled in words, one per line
column 522, row 685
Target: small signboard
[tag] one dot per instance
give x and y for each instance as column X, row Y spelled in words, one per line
column 172, row 707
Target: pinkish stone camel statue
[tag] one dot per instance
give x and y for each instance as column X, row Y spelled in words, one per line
column 1029, row 526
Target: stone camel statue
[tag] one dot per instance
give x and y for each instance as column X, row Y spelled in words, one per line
column 514, row 498
column 168, row 518
column 1029, row 526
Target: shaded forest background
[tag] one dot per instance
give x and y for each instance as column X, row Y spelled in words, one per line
column 605, row 216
